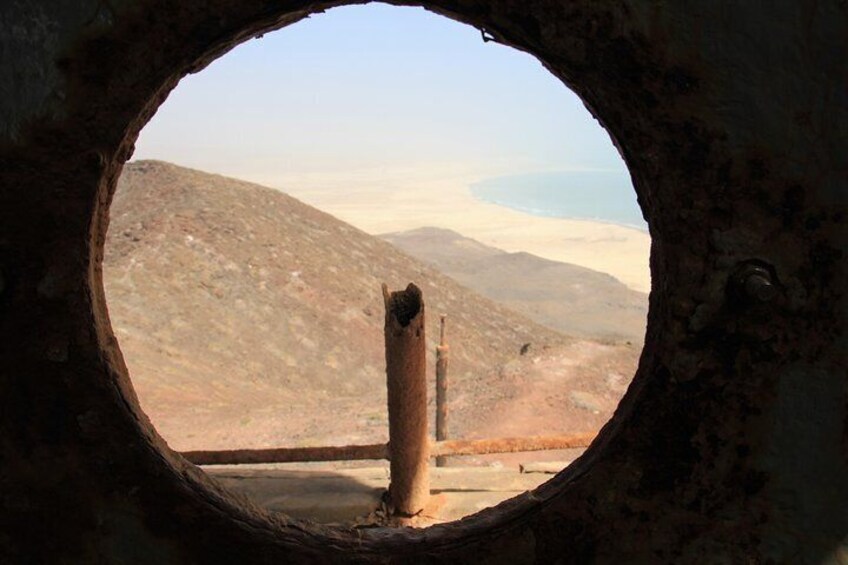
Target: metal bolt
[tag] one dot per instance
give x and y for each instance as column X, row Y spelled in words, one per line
column 755, row 281
column 759, row 287
column 96, row 160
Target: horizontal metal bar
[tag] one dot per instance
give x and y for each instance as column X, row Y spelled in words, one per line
column 288, row 454
column 510, row 444
column 381, row 450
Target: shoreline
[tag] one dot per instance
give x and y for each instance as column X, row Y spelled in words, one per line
column 542, row 214
column 541, row 194
column 373, row 202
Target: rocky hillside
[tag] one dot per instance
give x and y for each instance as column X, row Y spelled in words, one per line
column 248, row 318
column 565, row 297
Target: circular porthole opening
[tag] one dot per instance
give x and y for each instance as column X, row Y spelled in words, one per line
column 253, row 320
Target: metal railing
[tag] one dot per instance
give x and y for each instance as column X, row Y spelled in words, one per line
column 409, row 448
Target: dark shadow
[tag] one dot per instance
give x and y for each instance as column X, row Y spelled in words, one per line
column 344, row 498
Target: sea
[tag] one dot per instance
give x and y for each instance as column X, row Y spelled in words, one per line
column 603, row 196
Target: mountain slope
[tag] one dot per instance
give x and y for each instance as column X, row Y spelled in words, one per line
column 565, row 297
column 248, row 318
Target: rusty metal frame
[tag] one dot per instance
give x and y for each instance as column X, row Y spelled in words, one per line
column 378, row 451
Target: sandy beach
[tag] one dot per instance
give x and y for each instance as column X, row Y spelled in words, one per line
column 382, row 201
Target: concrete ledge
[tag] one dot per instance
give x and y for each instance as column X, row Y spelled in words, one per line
column 350, row 496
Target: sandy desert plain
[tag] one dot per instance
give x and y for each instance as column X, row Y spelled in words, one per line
column 381, row 201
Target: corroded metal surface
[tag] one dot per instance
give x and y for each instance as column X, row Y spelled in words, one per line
column 406, row 387
column 729, row 446
column 382, row 451
column 510, row 444
column 442, row 360
column 288, row 454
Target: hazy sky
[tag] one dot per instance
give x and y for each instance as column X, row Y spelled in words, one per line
column 375, row 86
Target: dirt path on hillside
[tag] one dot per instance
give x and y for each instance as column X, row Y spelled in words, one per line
column 571, row 390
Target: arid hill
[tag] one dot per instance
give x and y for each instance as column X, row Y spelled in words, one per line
column 565, row 297
column 249, row 319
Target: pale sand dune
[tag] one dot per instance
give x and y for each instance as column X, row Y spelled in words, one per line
column 380, row 202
